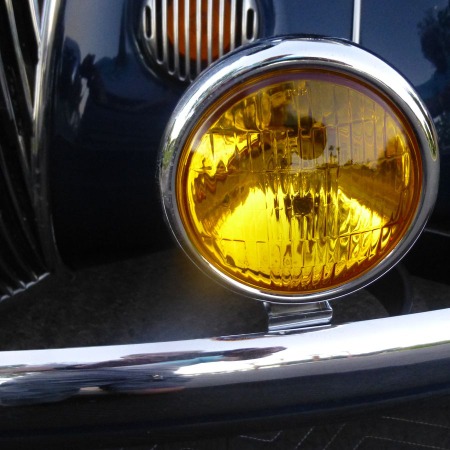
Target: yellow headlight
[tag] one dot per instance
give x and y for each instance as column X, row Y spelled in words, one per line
column 298, row 179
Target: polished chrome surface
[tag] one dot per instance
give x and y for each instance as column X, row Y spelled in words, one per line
column 356, row 31
column 379, row 357
column 41, row 115
column 295, row 317
column 284, row 53
column 156, row 23
column 27, row 88
column 23, row 261
column 36, row 19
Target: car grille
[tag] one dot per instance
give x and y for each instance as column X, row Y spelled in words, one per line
column 183, row 37
column 21, row 255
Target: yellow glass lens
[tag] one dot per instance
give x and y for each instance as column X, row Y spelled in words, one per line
column 298, row 182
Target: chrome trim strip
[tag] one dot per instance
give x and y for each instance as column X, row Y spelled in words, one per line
column 356, row 31
column 233, row 25
column 221, row 26
column 320, row 53
column 165, row 37
column 23, row 261
column 20, row 62
column 148, row 30
column 176, row 38
column 36, row 19
column 444, row 233
column 198, row 23
column 402, row 348
column 187, row 58
column 249, row 5
column 151, row 36
column 41, row 109
column 210, row 30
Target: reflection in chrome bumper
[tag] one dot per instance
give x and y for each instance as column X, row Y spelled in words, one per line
column 387, row 358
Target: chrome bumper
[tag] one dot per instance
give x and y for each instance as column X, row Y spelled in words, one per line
column 383, row 359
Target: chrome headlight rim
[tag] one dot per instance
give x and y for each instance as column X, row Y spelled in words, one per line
column 312, row 53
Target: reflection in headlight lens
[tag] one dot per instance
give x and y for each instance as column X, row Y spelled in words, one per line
column 299, row 182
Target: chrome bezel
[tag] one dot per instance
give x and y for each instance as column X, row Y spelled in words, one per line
column 334, row 55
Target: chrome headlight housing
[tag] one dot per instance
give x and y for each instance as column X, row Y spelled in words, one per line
column 298, row 169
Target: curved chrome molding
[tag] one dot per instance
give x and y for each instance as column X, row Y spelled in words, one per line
column 334, row 55
column 41, row 110
column 384, row 358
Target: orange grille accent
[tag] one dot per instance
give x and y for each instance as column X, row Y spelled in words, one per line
column 185, row 36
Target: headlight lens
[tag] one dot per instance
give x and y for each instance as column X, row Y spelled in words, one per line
column 298, row 178
column 298, row 182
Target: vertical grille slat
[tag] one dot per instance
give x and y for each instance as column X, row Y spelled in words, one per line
column 35, row 20
column 187, row 42
column 7, row 105
column 165, row 36
column 11, row 131
column 233, row 25
column 209, row 35
column 14, row 201
column 176, row 36
column 249, row 22
column 184, row 37
column 221, row 26
column 198, row 34
column 18, row 65
column 21, row 255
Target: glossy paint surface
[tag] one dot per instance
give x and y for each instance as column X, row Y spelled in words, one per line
column 109, row 113
column 313, row 17
column 415, row 38
column 111, row 107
